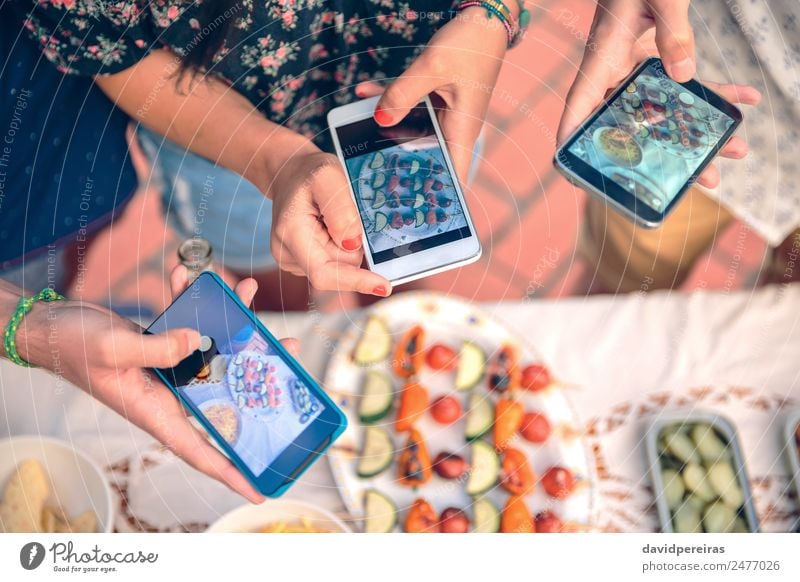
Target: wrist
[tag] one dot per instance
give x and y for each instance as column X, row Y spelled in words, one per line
column 33, row 335
column 490, row 28
column 274, row 155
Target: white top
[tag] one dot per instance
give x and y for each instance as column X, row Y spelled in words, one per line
column 757, row 42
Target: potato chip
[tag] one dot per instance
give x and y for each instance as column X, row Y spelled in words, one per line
column 22, row 508
column 24, row 497
column 57, row 519
column 85, row 523
column 48, row 521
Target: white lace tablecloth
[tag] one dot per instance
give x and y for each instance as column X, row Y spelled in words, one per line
column 629, row 358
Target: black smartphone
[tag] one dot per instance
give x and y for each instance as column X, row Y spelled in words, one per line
column 647, row 143
column 254, row 399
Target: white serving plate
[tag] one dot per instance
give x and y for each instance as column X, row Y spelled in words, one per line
column 450, row 321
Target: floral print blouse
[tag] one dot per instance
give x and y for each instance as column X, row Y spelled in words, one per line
column 293, row 59
column 757, row 42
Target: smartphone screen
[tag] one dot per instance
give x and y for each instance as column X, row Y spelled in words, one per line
column 653, row 137
column 238, row 381
column 403, row 186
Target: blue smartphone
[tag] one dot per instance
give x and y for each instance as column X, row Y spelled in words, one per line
column 255, row 400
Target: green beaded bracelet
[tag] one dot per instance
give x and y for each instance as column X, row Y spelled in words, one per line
column 23, row 308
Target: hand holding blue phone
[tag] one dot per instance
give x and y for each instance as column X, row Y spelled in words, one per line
column 244, row 387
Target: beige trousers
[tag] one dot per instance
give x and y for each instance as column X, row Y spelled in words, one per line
column 628, row 257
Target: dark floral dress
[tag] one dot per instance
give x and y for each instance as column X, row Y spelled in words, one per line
column 293, row 59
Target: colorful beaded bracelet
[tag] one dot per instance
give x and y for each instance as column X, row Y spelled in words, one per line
column 503, row 15
column 514, row 28
column 23, row 308
column 523, row 21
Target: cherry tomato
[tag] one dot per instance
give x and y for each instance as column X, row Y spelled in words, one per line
column 442, row 357
column 548, row 522
column 535, row 427
column 446, row 410
column 558, row 482
column 449, row 465
column 453, row 520
column 536, row 378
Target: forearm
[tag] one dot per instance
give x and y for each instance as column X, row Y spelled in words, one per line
column 204, row 115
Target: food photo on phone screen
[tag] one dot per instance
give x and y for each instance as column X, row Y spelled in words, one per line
column 653, row 137
column 403, row 187
column 385, row 267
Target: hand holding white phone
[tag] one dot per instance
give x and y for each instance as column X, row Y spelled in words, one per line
column 415, row 220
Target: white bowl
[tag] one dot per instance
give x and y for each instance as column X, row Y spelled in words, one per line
column 77, row 484
column 251, row 518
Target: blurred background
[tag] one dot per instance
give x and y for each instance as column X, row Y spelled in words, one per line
column 527, row 216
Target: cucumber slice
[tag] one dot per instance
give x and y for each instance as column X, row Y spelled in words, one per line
column 380, row 199
column 376, row 398
column 377, row 161
column 719, row 518
column 686, row 519
column 480, row 416
column 419, row 218
column 376, row 454
column 674, row 488
column 696, row 479
column 694, row 501
column 380, row 513
column 676, row 442
column 378, row 179
column 381, row 220
column 485, row 468
column 375, row 343
column 419, row 200
column 709, row 445
column 725, row 483
column 414, row 167
column 471, row 366
column 486, row 516
column 739, row 526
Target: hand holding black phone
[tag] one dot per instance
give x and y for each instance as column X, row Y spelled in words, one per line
column 648, row 143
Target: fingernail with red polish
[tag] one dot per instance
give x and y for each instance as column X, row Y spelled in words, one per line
column 382, row 116
column 380, row 291
column 351, row 244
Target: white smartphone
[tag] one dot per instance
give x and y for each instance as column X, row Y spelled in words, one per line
column 414, row 217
